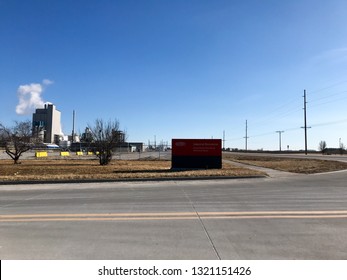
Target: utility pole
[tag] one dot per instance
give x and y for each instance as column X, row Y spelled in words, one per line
column 280, row 133
column 223, row 139
column 246, row 137
column 305, row 121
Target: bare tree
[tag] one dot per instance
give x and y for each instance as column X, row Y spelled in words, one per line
column 17, row 139
column 322, row 146
column 106, row 136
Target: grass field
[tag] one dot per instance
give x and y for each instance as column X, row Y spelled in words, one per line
column 89, row 169
column 303, row 166
column 74, row 169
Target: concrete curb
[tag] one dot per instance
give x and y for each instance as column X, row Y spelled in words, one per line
column 131, row 180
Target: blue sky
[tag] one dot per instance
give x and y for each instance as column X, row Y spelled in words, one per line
column 182, row 69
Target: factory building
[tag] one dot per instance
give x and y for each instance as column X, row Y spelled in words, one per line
column 46, row 124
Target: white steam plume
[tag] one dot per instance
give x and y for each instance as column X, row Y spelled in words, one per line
column 30, row 97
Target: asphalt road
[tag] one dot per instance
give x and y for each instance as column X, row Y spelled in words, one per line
column 302, row 217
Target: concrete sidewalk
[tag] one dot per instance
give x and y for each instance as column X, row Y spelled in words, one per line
column 272, row 173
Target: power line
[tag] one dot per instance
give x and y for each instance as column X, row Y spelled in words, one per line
column 330, row 101
column 329, row 123
column 328, row 96
column 328, row 87
column 279, row 113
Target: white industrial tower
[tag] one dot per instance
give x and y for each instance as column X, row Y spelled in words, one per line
column 46, row 124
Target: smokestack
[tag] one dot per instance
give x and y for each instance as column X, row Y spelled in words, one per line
column 73, row 126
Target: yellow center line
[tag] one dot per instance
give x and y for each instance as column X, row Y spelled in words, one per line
column 173, row 216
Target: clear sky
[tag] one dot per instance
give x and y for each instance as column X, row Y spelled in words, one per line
column 182, row 68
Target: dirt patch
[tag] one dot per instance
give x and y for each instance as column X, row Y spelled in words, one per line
column 69, row 169
column 304, row 166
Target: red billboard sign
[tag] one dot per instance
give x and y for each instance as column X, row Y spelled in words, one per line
column 197, row 147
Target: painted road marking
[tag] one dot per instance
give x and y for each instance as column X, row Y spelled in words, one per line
column 174, row 216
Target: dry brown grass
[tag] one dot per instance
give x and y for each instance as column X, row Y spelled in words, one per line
column 305, row 166
column 70, row 169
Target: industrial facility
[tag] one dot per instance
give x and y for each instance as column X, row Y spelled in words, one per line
column 46, row 124
column 47, row 128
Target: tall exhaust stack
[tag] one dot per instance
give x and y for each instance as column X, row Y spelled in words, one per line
column 73, row 126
